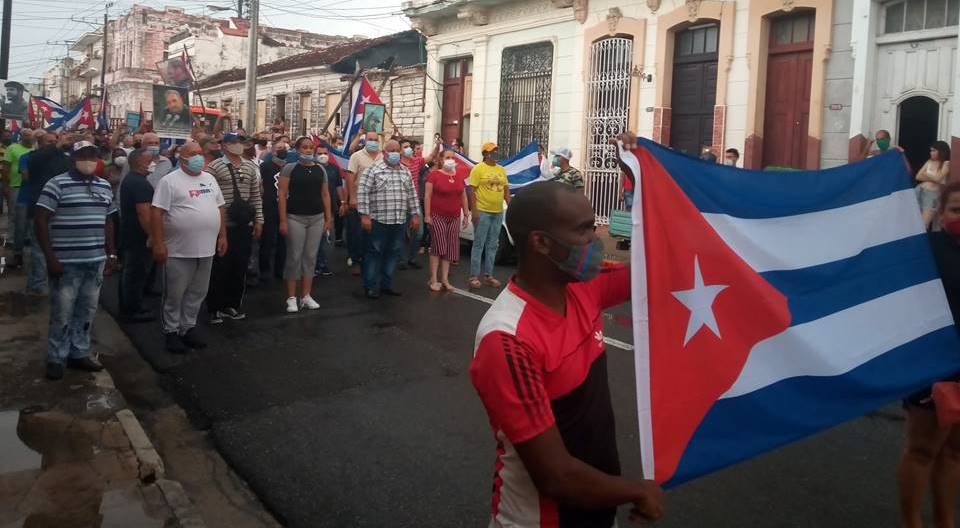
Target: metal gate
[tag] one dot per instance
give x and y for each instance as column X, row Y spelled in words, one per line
column 525, row 85
column 608, row 112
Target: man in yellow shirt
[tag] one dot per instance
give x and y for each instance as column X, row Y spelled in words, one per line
column 490, row 189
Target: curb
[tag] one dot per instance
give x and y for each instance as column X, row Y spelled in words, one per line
column 151, row 465
column 178, row 501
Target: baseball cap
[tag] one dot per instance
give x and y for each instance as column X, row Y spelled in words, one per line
column 80, row 145
column 231, row 137
column 563, row 152
column 488, row 146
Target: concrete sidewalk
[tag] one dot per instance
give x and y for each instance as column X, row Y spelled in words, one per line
column 72, row 454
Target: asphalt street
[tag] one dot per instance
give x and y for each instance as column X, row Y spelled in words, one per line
column 362, row 414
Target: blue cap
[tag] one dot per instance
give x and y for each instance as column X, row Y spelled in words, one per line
column 231, row 137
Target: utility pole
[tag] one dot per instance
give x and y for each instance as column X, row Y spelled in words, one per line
column 239, row 8
column 103, row 68
column 250, row 120
column 5, row 45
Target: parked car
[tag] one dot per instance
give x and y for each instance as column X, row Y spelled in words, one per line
column 506, row 251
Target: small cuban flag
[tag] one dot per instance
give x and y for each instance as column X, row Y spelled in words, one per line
column 769, row 306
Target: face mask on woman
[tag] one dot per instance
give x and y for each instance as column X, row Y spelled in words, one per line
column 408, row 152
column 449, row 164
column 307, row 159
column 120, row 161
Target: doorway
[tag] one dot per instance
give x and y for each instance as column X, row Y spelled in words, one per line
column 694, row 89
column 919, row 122
column 456, row 77
column 787, row 103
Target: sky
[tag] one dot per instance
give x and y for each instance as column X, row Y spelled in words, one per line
column 42, row 29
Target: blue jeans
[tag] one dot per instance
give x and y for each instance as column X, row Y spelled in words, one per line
column 384, row 246
column 20, row 221
column 356, row 237
column 486, row 240
column 413, row 243
column 628, row 200
column 73, row 303
column 36, row 266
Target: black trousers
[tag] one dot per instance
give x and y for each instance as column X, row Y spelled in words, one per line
column 273, row 251
column 137, row 263
column 338, row 223
column 228, row 279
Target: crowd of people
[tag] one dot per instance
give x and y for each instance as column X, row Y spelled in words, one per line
column 197, row 221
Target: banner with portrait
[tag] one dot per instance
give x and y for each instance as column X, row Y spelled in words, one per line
column 16, row 101
column 373, row 115
column 175, row 72
column 171, row 111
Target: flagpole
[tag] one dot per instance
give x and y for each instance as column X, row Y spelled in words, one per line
column 194, row 82
column 343, row 98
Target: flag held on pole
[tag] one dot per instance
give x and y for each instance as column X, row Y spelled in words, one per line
column 771, row 306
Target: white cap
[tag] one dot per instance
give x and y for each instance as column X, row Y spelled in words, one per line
column 563, row 152
column 80, row 145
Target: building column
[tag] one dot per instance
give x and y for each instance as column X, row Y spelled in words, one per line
column 955, row 122
column 477, row 103
column 864, row 53
column 433, row 96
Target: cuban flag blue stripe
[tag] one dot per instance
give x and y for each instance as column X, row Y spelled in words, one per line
column 818, row 291
column 714, row 188
column 738, row 428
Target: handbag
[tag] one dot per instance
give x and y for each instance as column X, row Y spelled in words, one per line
column 946, row 399
column 240, row 212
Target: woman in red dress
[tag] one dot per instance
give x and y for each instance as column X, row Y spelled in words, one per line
column 445, row 211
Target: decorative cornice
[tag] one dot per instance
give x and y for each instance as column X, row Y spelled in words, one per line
column 613, row 20
column 693, row 9
column 560, row 4
column 580, row 10
column 477, row 15
column 424, row 25
column 788, row 5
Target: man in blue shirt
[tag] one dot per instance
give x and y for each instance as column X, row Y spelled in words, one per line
column 75, row 231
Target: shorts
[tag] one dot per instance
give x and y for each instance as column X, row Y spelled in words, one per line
column 928, row 200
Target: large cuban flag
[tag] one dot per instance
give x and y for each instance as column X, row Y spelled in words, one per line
column 772, row 305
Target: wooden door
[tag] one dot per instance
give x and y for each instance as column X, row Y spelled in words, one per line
column 694, row 88
column 455, row 73
column 787, row 103
column 306, row 109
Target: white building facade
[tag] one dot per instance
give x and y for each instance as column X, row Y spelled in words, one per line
column 790, row 83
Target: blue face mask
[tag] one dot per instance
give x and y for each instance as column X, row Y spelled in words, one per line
column 153, row 150
column 372, row 146
column 194, row 163
column 583, row 263
column 306, row 158
column 408, row 152
column 393, row 158
column 555, row 162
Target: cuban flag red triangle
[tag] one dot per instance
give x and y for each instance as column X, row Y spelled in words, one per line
column 707, row 309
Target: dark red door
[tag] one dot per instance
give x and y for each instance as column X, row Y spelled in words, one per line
column 454, row 77
column 787, row 104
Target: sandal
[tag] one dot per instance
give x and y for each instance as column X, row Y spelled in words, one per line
column 493, row 283
column 435, row 286
column 448, row 287
column 474, row 283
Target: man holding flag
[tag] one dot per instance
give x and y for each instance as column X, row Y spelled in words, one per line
column 540, row 368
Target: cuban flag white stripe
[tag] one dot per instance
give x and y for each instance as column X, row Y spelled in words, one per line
column 804, row 240
column 844, row 340
column 641, row 321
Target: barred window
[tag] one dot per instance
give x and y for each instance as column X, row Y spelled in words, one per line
column 525, row 84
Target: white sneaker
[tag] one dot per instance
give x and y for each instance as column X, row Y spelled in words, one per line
column 308, row 303
column 292, row 305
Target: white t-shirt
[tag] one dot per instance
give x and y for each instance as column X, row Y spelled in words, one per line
column 192, row 222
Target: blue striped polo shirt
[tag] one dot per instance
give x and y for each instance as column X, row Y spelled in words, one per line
column 80, row 207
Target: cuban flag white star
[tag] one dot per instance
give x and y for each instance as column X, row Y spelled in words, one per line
column 699, row 300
